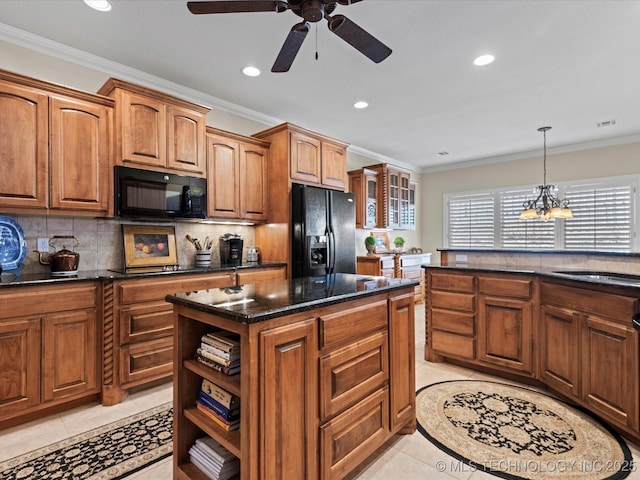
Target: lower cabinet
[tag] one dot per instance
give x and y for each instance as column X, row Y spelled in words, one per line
column 320, row 390
column 483, row 318
column 138, row 329
column 590, row 352
column 49, row 338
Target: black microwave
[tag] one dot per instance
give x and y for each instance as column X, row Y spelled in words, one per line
column 158, row 195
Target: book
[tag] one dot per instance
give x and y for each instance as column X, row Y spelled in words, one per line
column 215, row 358
column 214, row 449
column 201, row 459
column 220, row 353
column 221, row 422
column 221, row 410
column 221, row 368
column 220, row 395
column 224, row 340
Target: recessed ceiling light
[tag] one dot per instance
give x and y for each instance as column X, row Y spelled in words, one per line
column 360, row 105
column 484, row 60
column 251, row 71
column 100, row 5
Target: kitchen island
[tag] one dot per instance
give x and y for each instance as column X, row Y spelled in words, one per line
column 327, row 373
column 574, row 331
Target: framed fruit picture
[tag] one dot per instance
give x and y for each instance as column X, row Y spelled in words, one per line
column 149, row 246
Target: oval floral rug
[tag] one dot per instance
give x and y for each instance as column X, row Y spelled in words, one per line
column 517, row 433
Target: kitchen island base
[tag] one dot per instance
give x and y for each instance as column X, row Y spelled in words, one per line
column 320, row 389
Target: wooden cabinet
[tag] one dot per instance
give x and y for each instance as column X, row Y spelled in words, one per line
column 156, row 130
column 288, row 394
column 320, row 390
column 49, row 336
column 505, row 322
column 259, row 275
column 396, row 266
column 57, row 148
column 483, row 318
column 363, row 184
column 138, row 327
column 593, row 330
column 237, row 176
column 385, row 197
column 296, row 155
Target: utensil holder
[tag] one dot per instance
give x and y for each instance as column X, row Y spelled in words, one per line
column 203, row 258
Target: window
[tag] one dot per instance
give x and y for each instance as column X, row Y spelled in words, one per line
column 603, row 210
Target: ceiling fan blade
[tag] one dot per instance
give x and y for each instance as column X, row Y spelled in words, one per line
column 234, row 6
column 290, row 48
column 358, row 38
column 346, row 2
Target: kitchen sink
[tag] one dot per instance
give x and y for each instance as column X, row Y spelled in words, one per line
column 624, row 278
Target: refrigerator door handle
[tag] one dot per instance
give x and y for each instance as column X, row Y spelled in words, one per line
column 332, row 252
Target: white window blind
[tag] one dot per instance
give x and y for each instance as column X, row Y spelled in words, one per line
column 602, row 217
column 471, row 221
column 604, row 213
column 523, row 234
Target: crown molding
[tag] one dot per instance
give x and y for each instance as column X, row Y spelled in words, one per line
column 605, row 142
column 79, row 57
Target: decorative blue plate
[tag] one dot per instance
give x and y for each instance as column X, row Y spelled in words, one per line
column 13, row 246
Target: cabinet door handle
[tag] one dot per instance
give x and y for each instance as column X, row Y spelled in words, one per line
column 635, row 321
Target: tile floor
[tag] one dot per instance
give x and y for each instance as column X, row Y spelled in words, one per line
column 410, row 457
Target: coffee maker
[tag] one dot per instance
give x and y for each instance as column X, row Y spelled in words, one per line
column 231, row 249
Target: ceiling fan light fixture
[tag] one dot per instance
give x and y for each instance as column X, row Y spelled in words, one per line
column 99, row 5
column 483, row 60
column 361, row 104
column 250, row 71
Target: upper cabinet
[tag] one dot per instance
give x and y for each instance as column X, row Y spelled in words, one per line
column 296, row 155
column 237, row 176
column 312, row 158
column 363, row 184
column 55, row 148
column 157, row 130
column 385, row 197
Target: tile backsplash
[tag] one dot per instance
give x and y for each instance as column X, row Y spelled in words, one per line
column 100, row 240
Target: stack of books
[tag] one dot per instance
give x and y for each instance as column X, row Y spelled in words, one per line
column 215, row 461
column 219, row 405
column 220, row 350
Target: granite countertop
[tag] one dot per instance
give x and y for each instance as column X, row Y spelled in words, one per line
column 14, row 278
column 258, row 302
column 585, row 276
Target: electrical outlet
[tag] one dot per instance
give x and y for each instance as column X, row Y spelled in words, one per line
column 43, row 245
column 461, row 258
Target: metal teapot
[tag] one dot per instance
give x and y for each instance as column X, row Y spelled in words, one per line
column 63, row 262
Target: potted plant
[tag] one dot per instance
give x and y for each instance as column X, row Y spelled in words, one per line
column 370, row 244
column 399, row 243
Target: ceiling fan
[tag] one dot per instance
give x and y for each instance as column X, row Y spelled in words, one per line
column 311, row 11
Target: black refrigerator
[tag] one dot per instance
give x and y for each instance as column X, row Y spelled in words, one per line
column 323, row 224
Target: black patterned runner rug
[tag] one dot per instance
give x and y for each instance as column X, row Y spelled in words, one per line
column 517, row 433
column 109, row 452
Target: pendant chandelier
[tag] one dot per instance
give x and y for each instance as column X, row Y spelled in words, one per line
column 545, row 205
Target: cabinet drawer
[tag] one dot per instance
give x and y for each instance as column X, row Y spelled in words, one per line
column 352, row 323
column 452, row 344
column 447, row 281
column 146, row 361
column 261, row 275
column 456, row 301
column 454, row 322
column 21, row 302
column 348, row 374
column 146, row 321
column 609, row 305
column 145, row 290
column 505, row 287
column 353, row 435
column 412, row 272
